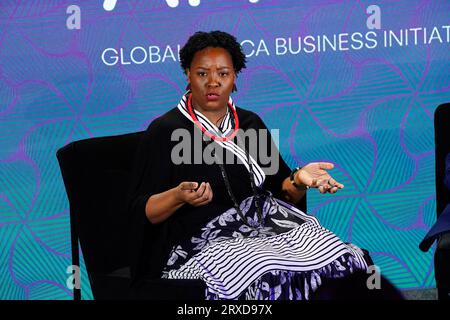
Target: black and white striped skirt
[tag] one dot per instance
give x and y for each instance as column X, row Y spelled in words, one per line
column 285, row 256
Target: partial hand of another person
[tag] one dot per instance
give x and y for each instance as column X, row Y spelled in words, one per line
column 314, row 175
column 187, row 192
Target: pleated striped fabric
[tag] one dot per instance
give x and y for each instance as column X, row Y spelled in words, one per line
column 225, row 128
column 289, row 240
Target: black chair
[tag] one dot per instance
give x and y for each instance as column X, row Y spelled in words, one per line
column 96, row 174
column 442, row 253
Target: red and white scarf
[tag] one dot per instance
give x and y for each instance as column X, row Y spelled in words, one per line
column 223, row 132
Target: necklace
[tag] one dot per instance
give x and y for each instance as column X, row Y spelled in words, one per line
column 256, row 194
column 205, row 131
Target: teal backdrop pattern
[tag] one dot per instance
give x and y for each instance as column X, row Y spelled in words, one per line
column 343, row 81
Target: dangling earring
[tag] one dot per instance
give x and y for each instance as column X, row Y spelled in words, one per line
column 234, row 88
column 188, row 87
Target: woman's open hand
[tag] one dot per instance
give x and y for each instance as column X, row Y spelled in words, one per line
column 314, row 175
column 187, row 192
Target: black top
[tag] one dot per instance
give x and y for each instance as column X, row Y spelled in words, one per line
column 155, row 172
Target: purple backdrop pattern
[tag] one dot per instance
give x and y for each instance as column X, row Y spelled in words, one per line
column 369, row 110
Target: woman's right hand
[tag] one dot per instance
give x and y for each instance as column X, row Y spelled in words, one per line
column 187, row 192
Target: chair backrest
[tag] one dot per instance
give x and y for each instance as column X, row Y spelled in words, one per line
column 96, row 174
column 442, row 145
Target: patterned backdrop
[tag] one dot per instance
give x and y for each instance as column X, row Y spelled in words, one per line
column 343, row 81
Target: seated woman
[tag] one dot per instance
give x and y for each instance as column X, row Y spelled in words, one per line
column 214, row 210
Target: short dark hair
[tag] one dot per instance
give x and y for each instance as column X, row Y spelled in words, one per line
column 218, row 39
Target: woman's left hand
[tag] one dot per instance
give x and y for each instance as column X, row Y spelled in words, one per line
column 314, row 175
